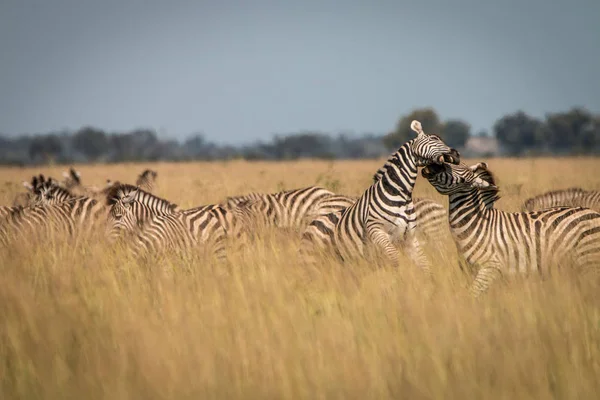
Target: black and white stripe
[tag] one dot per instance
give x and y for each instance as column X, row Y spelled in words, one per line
column 184, row 232
column 571, row 197
column 499, row 242
column 138, row 205
column 75, row 217
column 385, row 213
column 292, row 208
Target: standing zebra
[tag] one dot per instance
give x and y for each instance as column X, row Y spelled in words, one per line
column 292, row 208
column 183, row 232
column 385, row 213
column 572, row 197
column 48, row 192
column 76, row 217
column 431, row 221
column 146, row 180
column 138, row 205
column 501, row 242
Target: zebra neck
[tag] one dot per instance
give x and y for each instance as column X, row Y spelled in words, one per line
column 468, row 205
column 399, row 174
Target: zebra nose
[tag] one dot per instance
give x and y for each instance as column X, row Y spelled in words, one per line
column 453, row 157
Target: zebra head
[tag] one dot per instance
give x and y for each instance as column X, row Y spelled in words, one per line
column 121, row 217
column 121, row 200
column 48, row 192
column 426, row 149
column 72, row 178
column 450, row 179
column 430, row 149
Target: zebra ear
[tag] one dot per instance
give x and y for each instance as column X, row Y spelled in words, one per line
column 480, row 165
column 482, row 184
column 416, row 126
column 232, row 201
column 130, row 197
column 28, row 186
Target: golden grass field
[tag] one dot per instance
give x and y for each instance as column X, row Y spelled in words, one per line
column 88, row 322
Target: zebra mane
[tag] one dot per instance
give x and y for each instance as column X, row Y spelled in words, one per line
column 50, row 184
column 117, row 191
column 572, row 190
column 381, row 170
column 390, row 160
column 569, row 194
column 242, row 200
column 493, row 191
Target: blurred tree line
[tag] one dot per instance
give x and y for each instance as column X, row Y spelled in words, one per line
column 576, row 131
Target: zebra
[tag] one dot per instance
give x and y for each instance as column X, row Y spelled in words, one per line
column 72, row 179
column 146, row 180
column 29, row 197
column 138, row 205
column 76, row 217
column 385, row 212
column 131, row 208
column 499, row 242
column 431, row 220
column 48, row 192
column 292, row 208
column 5, row 211
column 431, row 216
column 571, row 197
column 181, row 231
column 72, row 182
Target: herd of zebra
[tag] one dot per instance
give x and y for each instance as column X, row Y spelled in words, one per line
column 553, row 229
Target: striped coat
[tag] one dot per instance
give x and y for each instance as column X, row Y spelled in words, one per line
column 572, row 197
column 384, row 215
column 290, row 209
column 496, row 243
column 75, row 217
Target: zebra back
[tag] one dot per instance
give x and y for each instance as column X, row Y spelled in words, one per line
column 287, row 209
column 74, row 217
column 571, row 197
column 187, row 232
column 48, row 193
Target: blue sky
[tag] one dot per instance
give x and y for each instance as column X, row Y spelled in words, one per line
column 245, row 70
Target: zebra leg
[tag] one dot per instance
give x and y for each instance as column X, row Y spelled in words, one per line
column 415, row 252
column 484, row 278
column 382, row 240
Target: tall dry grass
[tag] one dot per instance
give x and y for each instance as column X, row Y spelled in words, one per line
column 88, row 321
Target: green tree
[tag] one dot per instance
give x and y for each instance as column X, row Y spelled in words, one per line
column 455, row 132
column 519, row 133
column 46, row 147
column 402, row 134
column 91, row 142
column 574, row 130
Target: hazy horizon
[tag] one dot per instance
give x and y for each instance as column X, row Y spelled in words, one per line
column 243, row 72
